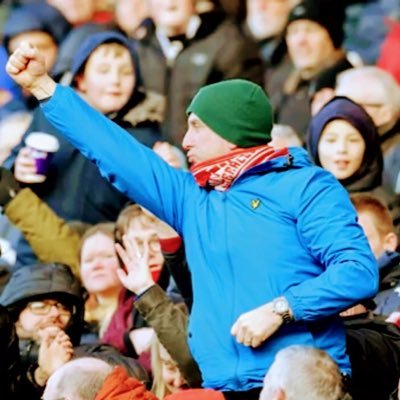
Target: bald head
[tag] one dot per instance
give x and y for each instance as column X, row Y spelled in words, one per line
column 79, row 379
column 375, row 90
column 302, row 372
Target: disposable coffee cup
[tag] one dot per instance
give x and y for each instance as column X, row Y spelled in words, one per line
column 42, row 148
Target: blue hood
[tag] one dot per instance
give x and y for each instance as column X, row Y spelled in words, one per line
column 35, row 17
column 86, row 49
column 97, row 39
column 369, row 175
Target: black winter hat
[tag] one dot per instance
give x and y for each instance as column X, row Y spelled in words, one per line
column 30, row 281
column 330, row 14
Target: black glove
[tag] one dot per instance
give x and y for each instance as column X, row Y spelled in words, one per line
column 9, row 187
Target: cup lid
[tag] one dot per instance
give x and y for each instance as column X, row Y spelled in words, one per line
column 42, row 141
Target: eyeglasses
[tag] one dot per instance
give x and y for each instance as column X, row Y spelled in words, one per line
column 153, row 243
column 44, row 307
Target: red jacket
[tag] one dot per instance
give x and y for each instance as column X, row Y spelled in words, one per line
column 120, row 386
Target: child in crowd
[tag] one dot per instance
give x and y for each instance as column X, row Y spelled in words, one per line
column 106, row 74
column 375, row 219
column 343, row 139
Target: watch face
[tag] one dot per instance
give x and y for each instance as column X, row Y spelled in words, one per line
column 281, row 306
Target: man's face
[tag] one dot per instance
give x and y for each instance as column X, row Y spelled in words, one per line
column 267, row 18
column 172, row 16
column 310, row 46
column 108, row 78
column 41, row 40
column 75, row 11
column 99, row 265
column 129, row 14
column 201, row 143
column 40, row 315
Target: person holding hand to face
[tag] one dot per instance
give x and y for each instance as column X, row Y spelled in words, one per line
column 172, row 362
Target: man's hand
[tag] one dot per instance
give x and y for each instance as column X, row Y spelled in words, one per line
column 137, row 277
column 355, row 310
column 169, row 154
column 27, row 67
column 54, row 351
column 254, row 327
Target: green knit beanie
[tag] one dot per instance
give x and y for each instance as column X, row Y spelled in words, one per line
column 235, row 109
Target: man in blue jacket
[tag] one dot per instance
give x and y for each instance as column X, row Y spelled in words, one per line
column 272, row 241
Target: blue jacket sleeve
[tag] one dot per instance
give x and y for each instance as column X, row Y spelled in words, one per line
column 132, row 168
column 327, row 225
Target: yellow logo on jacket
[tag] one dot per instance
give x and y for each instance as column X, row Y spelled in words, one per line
column 255, row 203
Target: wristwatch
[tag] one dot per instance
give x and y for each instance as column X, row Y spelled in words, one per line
column 281, row 307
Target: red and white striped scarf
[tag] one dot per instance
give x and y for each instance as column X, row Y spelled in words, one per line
column 221, row 172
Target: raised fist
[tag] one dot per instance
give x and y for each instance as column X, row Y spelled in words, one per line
column 28, row 68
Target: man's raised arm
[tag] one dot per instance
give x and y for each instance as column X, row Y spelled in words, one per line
column 131, row 167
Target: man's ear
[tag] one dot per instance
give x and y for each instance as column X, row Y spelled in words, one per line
column 80, row 83
column 390, row 241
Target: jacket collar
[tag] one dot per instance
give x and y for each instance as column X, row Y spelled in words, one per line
column 297, row 158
